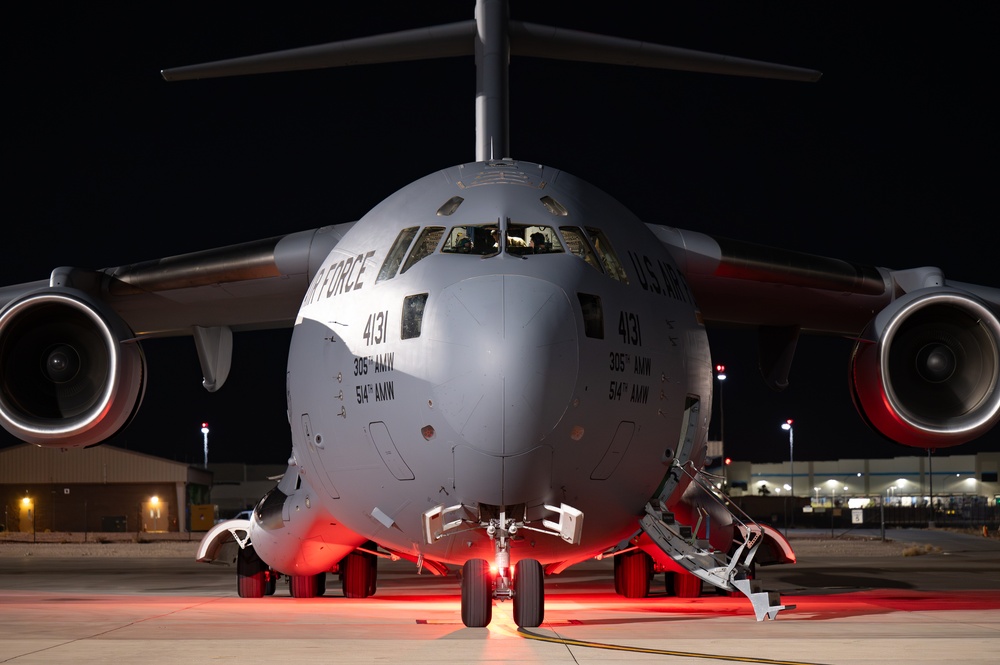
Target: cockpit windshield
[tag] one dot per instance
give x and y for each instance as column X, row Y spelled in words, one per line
column 484, row 240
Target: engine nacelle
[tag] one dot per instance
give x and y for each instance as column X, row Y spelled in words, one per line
column 71, row 374
column 926, row 371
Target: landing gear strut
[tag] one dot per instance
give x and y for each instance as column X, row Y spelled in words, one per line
column 480, row 586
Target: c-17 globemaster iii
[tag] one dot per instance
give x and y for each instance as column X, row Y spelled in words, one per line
column 499, row 367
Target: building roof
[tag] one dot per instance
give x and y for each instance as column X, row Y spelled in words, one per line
column 31, row 464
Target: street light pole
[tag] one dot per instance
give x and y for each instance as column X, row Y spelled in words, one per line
column 720, row 374
column 204, row 433
column 791, row 453
column 791, row 467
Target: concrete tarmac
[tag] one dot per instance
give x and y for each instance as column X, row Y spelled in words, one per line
column 938, row 607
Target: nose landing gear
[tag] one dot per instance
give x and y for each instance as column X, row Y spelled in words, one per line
column 481, row 585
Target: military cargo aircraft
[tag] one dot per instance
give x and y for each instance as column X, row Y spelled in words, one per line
column 499, row 368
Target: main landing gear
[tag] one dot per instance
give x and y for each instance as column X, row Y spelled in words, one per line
column 358, row 574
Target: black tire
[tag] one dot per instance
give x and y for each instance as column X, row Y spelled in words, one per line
column 358, row 574
column 271, row 583
column 687, row 585
column 477, row 594
column 251, row 574
column 307, row 586
column 529, row 594
column 635, row 569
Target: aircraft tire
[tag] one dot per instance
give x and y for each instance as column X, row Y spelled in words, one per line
column 477, row 594
column 271, row 583
column 251, row 572
column 687, row 585
column 529, row 594
column 635, row 571
column 358, row 572
column 305, row 586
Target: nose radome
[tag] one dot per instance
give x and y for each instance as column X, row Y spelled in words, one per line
column 506, row 352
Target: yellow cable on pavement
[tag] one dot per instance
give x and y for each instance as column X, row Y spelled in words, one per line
column 662, row 652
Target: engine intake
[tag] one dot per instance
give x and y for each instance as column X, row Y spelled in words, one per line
column 929, row 378
column 71, row 374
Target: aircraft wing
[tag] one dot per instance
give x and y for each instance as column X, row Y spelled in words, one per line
column 81, row 326
column 249, row 286
column 923, row 369
column 741, row 283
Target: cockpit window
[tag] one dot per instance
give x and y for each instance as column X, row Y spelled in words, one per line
column 606, row 254
column 593, row 315
column 426, row 243
column 470, row 239
column 580, row 246
column 413, row 316
column 396, row 254
column 525, row 239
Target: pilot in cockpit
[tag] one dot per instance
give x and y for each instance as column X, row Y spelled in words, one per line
column 538, row 243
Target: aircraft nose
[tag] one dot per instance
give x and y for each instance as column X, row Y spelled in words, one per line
column 507, row 350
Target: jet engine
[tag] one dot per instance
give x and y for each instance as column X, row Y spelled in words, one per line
column 71, row 373
column 925, row 372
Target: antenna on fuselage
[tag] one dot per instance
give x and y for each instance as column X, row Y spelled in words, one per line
column 492, row 38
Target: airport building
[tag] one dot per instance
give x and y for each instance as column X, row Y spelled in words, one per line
column 904, row 481
column 916, row 490
column 101, row 489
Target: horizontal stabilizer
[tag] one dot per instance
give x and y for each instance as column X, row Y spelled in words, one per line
column 458, row 39
column 542, row 41
column 441, row 41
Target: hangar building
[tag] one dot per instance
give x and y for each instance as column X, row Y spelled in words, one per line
column 100, row 489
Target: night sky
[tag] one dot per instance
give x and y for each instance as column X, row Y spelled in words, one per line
column 888, row 160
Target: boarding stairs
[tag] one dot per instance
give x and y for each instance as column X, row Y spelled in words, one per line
column 730, row 573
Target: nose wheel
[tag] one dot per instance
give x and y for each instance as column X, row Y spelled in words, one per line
column 477, row 593
column 480, row 586
column 529, row 594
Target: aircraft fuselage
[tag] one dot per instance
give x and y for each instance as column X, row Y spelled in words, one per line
column 565, row 365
